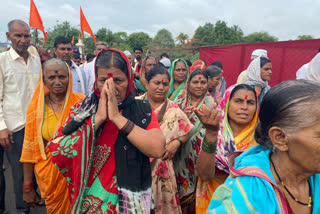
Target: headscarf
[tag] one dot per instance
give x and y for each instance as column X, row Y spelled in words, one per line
column 259, row 53
column 199, row 64
column 313, row 72
column 33, row 146
column 127, row 53
column 254, row 74
column 90, row 103
column 166, row 62
column 173, row 93
column 227, row 143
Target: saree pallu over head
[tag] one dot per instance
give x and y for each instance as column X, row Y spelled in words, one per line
column 186, row 157
column 198, row 64
column 33, row 145
column 105, row 172
column 226, row 145
column 173, row 93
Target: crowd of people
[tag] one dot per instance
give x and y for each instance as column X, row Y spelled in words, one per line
column 123, row 133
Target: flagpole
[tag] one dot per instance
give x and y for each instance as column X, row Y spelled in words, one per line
column 36, row 37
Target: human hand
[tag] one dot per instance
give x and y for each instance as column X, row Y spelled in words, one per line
column 189, row 110
column 210, row 118
column 6, row 138
column 112, row 106
column 171, row 150
column 102, row 112
column 30, row 198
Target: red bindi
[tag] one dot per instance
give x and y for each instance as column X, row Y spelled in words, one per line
column 199, row 78
column 246, row 97
column 110, row 75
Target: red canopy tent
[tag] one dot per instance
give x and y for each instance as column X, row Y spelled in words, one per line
column 287, row 57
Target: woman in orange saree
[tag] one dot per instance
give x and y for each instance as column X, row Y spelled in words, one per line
column 46, row 113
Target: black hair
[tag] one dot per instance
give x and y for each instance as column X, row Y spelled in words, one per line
column 264, row 61
column 243, row 86
column 160, row 64
column 137, row 49
column 155, row 71
column 164, row 55
column 290, row 106
column 111, row 59
column 197, row 72
column 76, row 56
column 204, row 61
column 189, row 63
column 213, row 71
column 218, row 64
column 61, row 40
column 90, row 56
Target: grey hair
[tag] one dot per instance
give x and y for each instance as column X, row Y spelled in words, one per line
column 17, row 21
column 101, row 43
column 291, row 106
column 213, row 71
column 55, row 61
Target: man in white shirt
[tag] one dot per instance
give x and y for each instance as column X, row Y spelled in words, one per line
column 63, row 50
column 243, row 76
column 89, row 67
column 19, row 74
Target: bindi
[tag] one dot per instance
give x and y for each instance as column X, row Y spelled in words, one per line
column 110, row 75
column 56, row 72
column 246, row 97
column 199, row 78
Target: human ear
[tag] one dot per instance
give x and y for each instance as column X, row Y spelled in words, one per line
column 278, row 138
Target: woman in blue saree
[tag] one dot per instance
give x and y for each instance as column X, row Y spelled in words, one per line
column 281, row 175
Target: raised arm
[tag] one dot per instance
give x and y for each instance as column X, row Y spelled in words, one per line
column 150, row 142
column 210, row 119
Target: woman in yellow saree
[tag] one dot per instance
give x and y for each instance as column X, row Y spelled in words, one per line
column 46, row 113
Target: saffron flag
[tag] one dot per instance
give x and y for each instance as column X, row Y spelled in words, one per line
column 35, row 20
column 85, row 26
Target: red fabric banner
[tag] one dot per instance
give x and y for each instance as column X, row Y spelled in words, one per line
column 286, row 57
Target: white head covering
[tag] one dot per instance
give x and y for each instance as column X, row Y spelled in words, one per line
column 166, row 62
column 127, row 53
column 259, row 53
column 313, row 72
column 254, row 74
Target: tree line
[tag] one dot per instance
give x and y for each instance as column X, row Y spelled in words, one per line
column 208, row 34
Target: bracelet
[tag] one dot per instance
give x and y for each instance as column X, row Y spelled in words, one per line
column 209, row 147
column 127, row 128
column 178, row 139
column 27, row 187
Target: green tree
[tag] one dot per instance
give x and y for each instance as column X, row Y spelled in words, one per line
column 63, row 29
column 140, row 39
column 304, row 37
column 204, row 34
column 163, row 39
column 181, row 38
column 89, row 45
column 105, row 35
column 120, row 41
column 259, row 37
column 218, row 34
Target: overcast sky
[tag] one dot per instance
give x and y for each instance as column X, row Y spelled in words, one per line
column 285, row 19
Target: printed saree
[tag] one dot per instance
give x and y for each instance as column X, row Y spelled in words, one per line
column 174, row 124
column 173, row 93
column 251, row 188
column 105, row 172
column 42, row 123
column 227, row 144
column 186, row 157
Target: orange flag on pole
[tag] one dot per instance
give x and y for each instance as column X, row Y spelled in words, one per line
column 85, row 26
column 35, row 20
